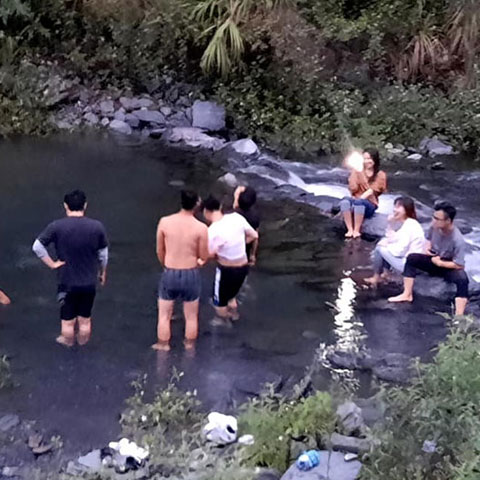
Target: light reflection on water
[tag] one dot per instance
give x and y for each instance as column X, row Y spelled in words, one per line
column 348, row 331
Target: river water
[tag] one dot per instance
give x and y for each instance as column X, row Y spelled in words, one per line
column 301, row 294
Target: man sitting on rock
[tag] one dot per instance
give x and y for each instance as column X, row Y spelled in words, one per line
column 444, row 257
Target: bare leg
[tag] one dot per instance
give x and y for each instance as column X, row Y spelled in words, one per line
column 190, row 310
column 358, row 224
column 233, row 309
column 348, row 219
column 4, row 299
column 165, row 310
column 67, row 337
column 84, row 330
column 407, row 294
column 374, row 280
column 460, row 305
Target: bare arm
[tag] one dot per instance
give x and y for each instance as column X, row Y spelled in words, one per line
column 203, row 253
column 160, row 243
column 367, row 194
column 446, row 263
column 103, row 259
column 42, row 253
column 251, row 235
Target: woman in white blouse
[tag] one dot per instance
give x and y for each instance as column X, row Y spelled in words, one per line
column 393, row 249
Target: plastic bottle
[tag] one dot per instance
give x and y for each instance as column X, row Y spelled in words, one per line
column 308, row 460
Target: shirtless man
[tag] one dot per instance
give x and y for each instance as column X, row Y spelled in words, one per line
column 182, row 241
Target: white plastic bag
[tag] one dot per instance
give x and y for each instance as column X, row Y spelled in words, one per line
column 220, row 429
column 129, row 449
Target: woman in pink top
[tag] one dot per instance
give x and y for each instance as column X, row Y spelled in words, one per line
column 393, row 249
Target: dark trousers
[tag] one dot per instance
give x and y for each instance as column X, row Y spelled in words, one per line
column 419, row 261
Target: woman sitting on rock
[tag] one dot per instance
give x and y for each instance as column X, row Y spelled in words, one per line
column 393, row 249
column 365, row 186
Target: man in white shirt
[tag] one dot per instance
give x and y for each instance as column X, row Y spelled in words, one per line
column 228, row 235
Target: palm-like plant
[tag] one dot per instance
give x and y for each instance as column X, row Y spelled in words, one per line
column 222, row 22
column 464, row 34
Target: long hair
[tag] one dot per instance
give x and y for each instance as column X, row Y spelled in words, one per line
column 408, row 204
column 375, row 156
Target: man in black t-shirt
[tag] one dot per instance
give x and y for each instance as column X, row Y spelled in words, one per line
column 81, row 248
column 244, row 199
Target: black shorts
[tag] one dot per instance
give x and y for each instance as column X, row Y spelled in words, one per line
column 228, row 281
column 178, row 284
column 77, row 302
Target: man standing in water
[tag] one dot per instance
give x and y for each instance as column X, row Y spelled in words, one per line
column 182, row 241
column 228, row 235
column 445, row 257
column 82, row 250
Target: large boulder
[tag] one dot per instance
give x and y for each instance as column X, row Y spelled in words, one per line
column 345, row 443
column 120, row 127
column 208, row 116
column 332, row 466
column 434, row 147
column 350, row 416
column 193, row 137
column 245, row 146
column 150, row 116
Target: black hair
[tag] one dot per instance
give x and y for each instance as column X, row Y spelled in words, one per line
column 247, row 198
column 408, row 204
column 189, row 199
column 448, row 208
column 211, row 204
column 375, row 156
column 75, row 200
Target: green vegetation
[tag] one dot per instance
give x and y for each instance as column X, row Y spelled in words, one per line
column 309, row 74
column 442, row 405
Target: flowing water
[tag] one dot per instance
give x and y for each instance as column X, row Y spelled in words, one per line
column 301, row 294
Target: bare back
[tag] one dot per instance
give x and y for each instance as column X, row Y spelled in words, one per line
column 181, row 241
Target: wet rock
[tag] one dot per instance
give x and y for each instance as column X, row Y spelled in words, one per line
column 349, row 444
column 246, row 146
column 166, row 111
column 10, row 471
column 157, row 132
column 119, row 115
column 91, row 118
column 106, row 107
column 229, row 179
column 144, row 103
column 63, row 125
column 150, row 116
column 105, row 122
column 208, row 116
column 332, row 467
column 350, row 417
column 179, row 119
column 434, row 147
column 193, row 137
column 132, row 120
column 393, row 367
column 254, row 383
column 120, row 127
column 437, row 166
column 129, row 104
column 268, row 474
column 8, row 422
column 91, row 461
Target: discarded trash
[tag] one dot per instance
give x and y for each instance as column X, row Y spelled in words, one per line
column 349, row 457
column 124, row 455
column 429, row 446
column 220, row 429
column 308, row 460
column 246, row 439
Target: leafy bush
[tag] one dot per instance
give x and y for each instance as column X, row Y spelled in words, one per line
column 442, row 405
column 274, row 422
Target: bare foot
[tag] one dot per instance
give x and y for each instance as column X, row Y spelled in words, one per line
column 401, row 298
column 349, row 234
column 356, row 235
column 220, row 322
column 83, row 338
column 161, row 346
column 372, row 281
column 4, row 299
column 68, row 342
column 189, row 344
